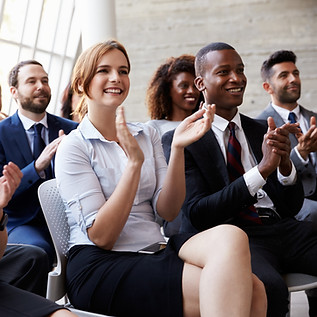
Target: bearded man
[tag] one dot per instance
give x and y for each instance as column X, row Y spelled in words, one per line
column 30, row 138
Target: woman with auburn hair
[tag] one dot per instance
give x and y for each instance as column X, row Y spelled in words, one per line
column 113, row 178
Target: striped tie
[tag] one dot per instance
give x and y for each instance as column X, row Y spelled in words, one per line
column 235, row 170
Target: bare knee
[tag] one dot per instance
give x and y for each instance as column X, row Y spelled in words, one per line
column 228, row 240
column 225, row 241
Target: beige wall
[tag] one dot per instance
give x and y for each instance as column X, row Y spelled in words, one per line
column 154, row 30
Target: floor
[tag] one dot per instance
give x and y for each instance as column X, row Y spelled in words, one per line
column 299, row 305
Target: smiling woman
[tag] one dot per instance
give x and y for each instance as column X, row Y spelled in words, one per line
column 171, row 94
column 171, row 97
column 120, row 188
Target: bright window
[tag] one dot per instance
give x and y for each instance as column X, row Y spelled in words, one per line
column 45, row 30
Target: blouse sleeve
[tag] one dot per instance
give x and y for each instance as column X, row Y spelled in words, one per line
column 78, row 184
column 160, row 164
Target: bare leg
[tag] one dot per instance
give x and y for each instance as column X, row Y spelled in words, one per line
column 63, row 313
column 217, row 277
column 259, row 300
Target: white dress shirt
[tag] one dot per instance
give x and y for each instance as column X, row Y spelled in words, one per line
column 29, row 130
column 252, row 176
column 28, row 127
column 88, row 168
column 304, row 125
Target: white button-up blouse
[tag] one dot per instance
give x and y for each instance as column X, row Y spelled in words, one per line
column 88, row 167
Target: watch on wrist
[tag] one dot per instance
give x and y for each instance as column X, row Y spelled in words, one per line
column 3, row 221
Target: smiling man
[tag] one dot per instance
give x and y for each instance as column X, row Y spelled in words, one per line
column 281, row 80
column 240, row 173
column 33, row 150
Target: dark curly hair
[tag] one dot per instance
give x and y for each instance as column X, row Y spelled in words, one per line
column 158, row 98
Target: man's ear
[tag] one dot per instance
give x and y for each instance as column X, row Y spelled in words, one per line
column 14, row 92
column 199, row 83
column 267, row 87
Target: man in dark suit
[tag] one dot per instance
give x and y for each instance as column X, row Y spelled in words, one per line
column 264, row 196
column 282, row 82
column 29, row 86
column 14, row 301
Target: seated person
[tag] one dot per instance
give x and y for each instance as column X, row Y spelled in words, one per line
column 171, row 97
column 15, row 302
column 281, row 80
column 122, row 180
column 29, row 138
column 240, row 173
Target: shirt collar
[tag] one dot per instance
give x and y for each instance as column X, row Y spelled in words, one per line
column 28, row 123
column 90, row 132
column 221, row 123
column 284, row 112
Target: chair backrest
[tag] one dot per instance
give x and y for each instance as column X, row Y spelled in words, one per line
column 55, row 216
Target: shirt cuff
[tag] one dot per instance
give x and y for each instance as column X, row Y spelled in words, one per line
column 254, row 180
column 287, row 180
column 305, row 162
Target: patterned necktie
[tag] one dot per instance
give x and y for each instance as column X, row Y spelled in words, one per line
column 39, row 145
column 235, row 170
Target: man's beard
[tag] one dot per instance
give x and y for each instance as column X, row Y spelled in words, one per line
column 28, row 105
column 286, row 97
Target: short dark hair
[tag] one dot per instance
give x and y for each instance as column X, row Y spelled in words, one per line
column 13, row 75
column 201, row 55
column 276, row 58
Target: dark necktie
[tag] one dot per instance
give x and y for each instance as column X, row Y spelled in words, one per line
column 292, row 117
column 39, row 145
column 235, row 170
column 38, row 142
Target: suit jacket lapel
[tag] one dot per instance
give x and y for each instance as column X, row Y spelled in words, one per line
column 19, row 139
column 208, row 150
column 307, row 114
column 279, row 122
column 53, row 127
column 254, row 136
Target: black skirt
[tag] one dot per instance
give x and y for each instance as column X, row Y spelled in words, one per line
column 127, row 283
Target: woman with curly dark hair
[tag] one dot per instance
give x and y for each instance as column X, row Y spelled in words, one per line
column 172, row 95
